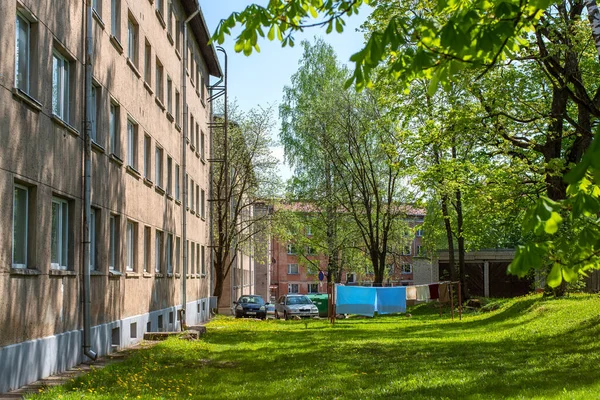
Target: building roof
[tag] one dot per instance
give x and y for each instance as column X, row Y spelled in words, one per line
column 202, row 34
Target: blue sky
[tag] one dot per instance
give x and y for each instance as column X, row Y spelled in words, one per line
column 260, row 78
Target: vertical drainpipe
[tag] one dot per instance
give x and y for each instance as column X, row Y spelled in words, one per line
column 87, row 177
column 184, row 164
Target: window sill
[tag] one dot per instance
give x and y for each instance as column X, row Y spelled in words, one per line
column 159, row 275
column 192, row 148
column 148, row 182
column 147, row 275
column 197, row 154
column 192, row 82
column 133, row 67
column 134, row 172
column 197, row 215
column 203, row 102
column 187, row 140
column 203, row 218
column 197, row 92
column 203, row 276
column 59, row 121
column 178, row 54
column 178, row 202
column 170, row 116
column 116, row 159
column 170, row 37
column 131, row 275
column 27, row 99
column 98, row 18
column 170, row 197
column 61, row 272
column 25, row 271
column 160, row 18
column 203, row 160
column 148, row 87
column 169, row 274
column 177, row 126
column 160, row 103
column 96, row 273
column 193, row 212
column 114, row 274
column 116, row 43
column 159, row 190
column 97, row 147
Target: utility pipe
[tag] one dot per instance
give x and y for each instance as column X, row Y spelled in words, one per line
column 184, row 164
column 87, row 178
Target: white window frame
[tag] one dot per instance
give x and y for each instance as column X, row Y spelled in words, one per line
column 169, row 175
column 158, row 156
column 130, row 235
column 405, row 252
column 202, row 204
column 420, row 232
column 310, row 287
column 26, row 189
column 61, row 70
column 169, row 253
column 26, row 87
column 93, row 244
column 203, row 263
column 177, row 254
column 290, row 269
column 147, row 157
column 112, row 243
column 197, row 258
column 410, row 268
column 147, row 247
column 158, row 238
column 290, row 249
column 114, row 128
column 132, row 40
column 132, row 128
column 291, row 288
column 177, row 187
column 115, row 18
column 63, row 234
column 192, row 259
column 169, row 94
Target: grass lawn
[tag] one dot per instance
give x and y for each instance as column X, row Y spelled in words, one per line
column 530, row 348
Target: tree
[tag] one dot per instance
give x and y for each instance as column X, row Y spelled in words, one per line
column 246, row 178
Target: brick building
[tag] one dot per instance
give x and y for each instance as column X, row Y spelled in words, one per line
column 149, row 159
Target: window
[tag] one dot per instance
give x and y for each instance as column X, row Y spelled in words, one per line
column 177, row 254
column 132, row 40
column 187, row 253
column 177, row 107
column 310, row 250
column 132, row 128
column 20, row 226
column 158, row 252
column 197, row 258
column 169, row 253
column 113, row 233
column 198, row 199
column 169, row 95
column 192, row 259
column 131, row 245
column 60, row 234
column 114, row 128
column 202, row 86
column 291, row 249
column 293, row 269
column 93, row 241
column 177, row 189
column 420, row 251
column 293, row 288
column 191, row 203
column 147, row 238
column 308, row 230
column 190, row 136
column 115, row 18
column 147, row 156
column 148, row 63
column 197, row 137
column 203, row 258
column 169, row 175
column 178, row 30
column 95, row 106
column 406, row 251
column 96, row 4
column 160, row 6
column 313, row 288
column 60, row 86
column 159, row 80
column 197, row 76
column 420, row 232
column 202, row 145
column 406, row 268
column 170, row 18
column 22, row 53
column 202, row 203
column 350, row 278
column 158, row 161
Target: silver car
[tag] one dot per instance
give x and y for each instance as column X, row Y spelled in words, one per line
column 295, row 305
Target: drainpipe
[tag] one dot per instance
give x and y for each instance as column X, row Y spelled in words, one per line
column 87, row 177
column 184, row 163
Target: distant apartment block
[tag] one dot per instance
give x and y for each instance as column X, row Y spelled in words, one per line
column 150, row 167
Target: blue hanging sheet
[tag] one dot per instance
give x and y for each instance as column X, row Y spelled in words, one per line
column 391, row 300
column 355, row 300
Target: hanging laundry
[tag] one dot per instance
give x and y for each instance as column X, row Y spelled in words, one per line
column 411, row 293
column 422, row 293
column 391, row 300
column 434, row 291
column 444, row 292
column 355, row 300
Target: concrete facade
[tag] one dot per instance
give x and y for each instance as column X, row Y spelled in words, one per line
column 138, row 184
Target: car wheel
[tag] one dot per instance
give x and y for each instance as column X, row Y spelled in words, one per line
column 285, row 315
column 276, row 315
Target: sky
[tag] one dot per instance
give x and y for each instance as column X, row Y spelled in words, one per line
column 259, row 79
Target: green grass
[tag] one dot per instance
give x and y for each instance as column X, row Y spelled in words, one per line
column 530, row 348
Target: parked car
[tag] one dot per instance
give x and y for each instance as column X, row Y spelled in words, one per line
column 295, row 305
column 250, row 306
column 270, row 310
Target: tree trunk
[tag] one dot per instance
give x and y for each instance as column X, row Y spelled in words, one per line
column 449, row 238
column 219, row 280
column 594, row 18
column 461, row 245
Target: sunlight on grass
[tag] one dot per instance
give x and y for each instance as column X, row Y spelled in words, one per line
column 530, row 348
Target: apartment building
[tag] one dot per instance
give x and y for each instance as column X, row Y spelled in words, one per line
column 150, row 151
column 407, row 264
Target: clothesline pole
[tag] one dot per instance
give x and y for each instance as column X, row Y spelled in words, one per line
column 452, row 301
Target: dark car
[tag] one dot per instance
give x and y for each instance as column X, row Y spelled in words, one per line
column 252, row 306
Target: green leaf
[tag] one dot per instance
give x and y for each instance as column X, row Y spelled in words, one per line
column 271, row 34
column 555, row 276
column 552, row 223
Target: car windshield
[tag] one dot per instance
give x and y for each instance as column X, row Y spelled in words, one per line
column 299, row 300
column 251, row 300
